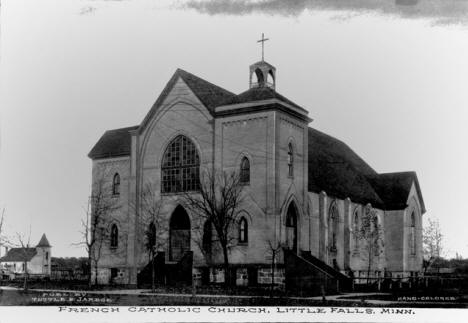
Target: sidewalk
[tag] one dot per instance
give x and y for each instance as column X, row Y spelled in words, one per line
column 146, row 292
column 351, row 298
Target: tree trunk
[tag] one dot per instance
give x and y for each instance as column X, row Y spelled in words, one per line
column 369, row 256
column 272, row 273
column 25, row 282
column 96, row 273
column 90, row 270
column 153, row 274
column 227, row 274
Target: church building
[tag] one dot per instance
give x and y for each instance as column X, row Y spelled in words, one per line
column 305, row 192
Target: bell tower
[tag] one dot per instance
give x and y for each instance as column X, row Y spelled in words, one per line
column 262, row 74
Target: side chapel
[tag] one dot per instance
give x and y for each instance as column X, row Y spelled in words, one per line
column 304, row 190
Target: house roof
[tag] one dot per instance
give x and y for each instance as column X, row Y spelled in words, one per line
column 337, row 170
column 262, row 93
column 43, row 242
column 19, row 254
column 394, row 188
column 113, row 143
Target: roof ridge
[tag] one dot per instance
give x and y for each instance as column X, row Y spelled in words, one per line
column 180, row 70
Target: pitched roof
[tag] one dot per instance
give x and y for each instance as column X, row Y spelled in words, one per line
column 394, row 188
column 43, row 242
column 117, row 142
column 262, row 93
column 113, row 143
column 19, row 254
column 340, row 172
column 209, row 94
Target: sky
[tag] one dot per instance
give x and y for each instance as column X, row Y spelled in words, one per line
column 389, row 78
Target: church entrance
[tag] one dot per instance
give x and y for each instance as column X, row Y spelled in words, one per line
column 179, row 234
column 291, row 228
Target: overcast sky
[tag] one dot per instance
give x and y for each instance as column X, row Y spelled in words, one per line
column 390, row 80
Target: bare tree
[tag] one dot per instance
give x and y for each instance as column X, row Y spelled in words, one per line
column 273, row 252
column 2, row 221
column 23, row 242
column 216, row 203
column 370, row 237
column 95, row 227
column 432, row 243
column 152, row 229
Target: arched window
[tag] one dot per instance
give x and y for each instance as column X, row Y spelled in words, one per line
column 180, row 171
column 413, row 234
column 244, row 175
column 116, row 184
column 290, row 160
column 356, row 230
column 243, row 230
column 151, row 235
column 114, row 236
column 291, row 227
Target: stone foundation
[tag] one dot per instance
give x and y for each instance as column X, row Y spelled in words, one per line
column 265, row 276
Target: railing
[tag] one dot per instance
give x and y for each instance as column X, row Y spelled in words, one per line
column 408, row 283
column 261, row 84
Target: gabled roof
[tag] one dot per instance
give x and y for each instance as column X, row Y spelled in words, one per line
column 209, row 94
column 262, row 93
column 19, row 254
column 395, row 188
column 117, row 142
column 113, row 143
column 337, row 170
column 43, row 242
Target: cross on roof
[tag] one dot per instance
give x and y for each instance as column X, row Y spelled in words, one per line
column 263, row 40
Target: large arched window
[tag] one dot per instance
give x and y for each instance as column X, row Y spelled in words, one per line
column 244, row 175
column 114, row 236
column 290, row 160
column 413, row 234
column 180, row 171
column 243, row 230
column 116, row 184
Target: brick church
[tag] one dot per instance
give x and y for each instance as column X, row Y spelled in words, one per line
column 304, row 190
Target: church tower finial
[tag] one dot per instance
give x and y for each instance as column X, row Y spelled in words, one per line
column 264, row 72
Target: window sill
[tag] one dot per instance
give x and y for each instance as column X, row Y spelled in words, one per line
column 179, row 193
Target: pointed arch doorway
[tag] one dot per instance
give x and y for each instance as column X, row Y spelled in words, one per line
column 291, row 228
column 179, row 234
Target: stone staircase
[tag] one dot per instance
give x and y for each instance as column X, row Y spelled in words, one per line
column 308, row 275
column 168, row 273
